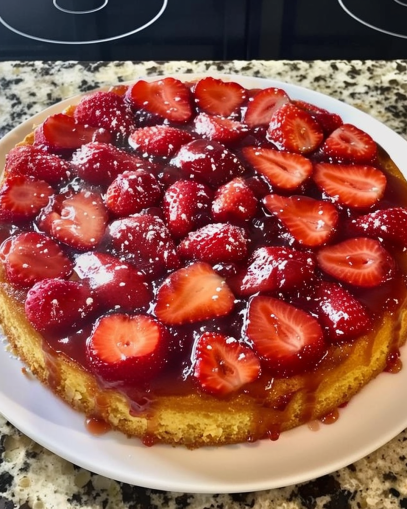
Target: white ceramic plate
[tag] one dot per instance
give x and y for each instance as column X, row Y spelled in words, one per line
column 370, row 420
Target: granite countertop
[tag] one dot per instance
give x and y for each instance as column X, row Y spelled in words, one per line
column 32, row 477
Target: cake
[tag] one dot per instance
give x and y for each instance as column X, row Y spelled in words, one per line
column 201, row 264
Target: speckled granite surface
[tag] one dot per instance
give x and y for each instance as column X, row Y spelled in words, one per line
column 33, row 478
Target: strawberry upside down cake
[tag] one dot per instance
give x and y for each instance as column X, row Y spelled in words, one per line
column 199, row 263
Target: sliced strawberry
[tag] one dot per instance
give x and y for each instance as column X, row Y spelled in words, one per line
column 30, row 257
column 101, row 163
column 218, row 97
column 262, row 106
column 219, row 129
column 116, row 284
column 284, row 170
column 209, row 161
column 356, row 186
column 295, row 130
column 107, row 110
column 341, row 315
column 192, row 294
column 168, row 97
column 358, row 261
column 274, row 268
column 22, row 197
column 132, row 191
column 78, row 220
column 387, row 224
column 186, row 206
column 59, row 306
column 328, row 121
column 144, row 240
column 311, row 222
column 234, row 202
column 159, row 140
column 127, row 348
column 349, row 144
column 223, row 365
column 215, row 243
column 287, row 339
column 63, row 132
column 30, row 160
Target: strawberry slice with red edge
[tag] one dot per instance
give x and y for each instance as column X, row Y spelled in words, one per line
column 352, row 185
column 192, row 294
column 288, row 340
column 218, row 97
column 127, row 348
column 100, row 163
column 284, row 170
column 116, row 284
column 31, row 256
column 22, row 198
column 30, row 160
column 349, row 144
column 234, row 202
column 261, row 106
column 329, row 121
column 58, row 306
column 131, row 192
column 186, row 206
column 62, row 132
column 78, row 220
column 168, row 97
column 390, row 225
column 159, row 140
column 311, row 222
column 340, row 314
column 295, row 130
column 107, row 110
column 215, row 243
column 223, row 365
column 358, row 261
column 224, row 130
column 274, row 268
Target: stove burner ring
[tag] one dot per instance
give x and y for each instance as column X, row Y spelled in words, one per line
column 403, row 3
column 89, row 11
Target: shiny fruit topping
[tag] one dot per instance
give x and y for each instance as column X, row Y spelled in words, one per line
column 223, row 365
column 131, row 192
column 294, row 130
column 209, row 161
column 78, row 220
column 287, row 339
column 59, row 306
column 262, row 106
column 192, row 294
column 218, row 97
column 186, row 206
column 310, row 222
column 224, row 130
column 23, row 197
column 356, row 186
column 215, row 243
column 349, row 144
column 30, row 257
column 283, row 170
column 127, row 348
column 327, row 120
column 168, row 97
column 358, row 261
column 234, row 202
column 159, row 140
column 116, row 284
column 274, row 268
column 62, row 132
